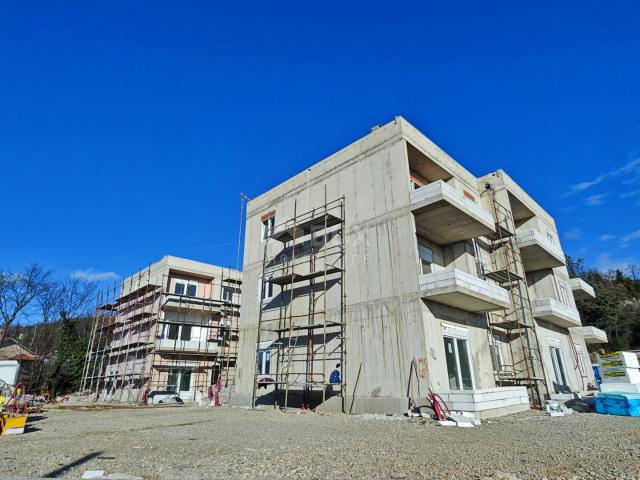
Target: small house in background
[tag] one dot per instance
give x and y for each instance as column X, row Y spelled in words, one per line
column 15, row 361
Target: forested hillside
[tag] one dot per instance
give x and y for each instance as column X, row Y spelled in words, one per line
column 616, row 308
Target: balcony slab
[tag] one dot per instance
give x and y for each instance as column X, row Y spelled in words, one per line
column 458, row 289
column 444, row 215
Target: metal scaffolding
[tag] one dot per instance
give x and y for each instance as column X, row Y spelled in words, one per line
column 303, row 326
column 516, row 324
column 141, row 336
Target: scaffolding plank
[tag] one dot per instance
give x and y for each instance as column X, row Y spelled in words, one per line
column 295, row 277
column 503, row 276
column 307, row 326
column 305, row 227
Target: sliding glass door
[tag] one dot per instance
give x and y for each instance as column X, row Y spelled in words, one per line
column 458, row 363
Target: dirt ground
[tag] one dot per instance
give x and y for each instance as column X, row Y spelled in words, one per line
column 198, row 442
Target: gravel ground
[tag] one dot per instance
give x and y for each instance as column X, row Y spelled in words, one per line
column 196, row 442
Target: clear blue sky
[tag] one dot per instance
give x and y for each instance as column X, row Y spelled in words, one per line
column 128, row 131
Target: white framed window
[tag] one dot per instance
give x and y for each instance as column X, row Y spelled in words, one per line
column 227, row 294
column 179, row 381
column 264, row 361
column 266, row 289
column 182, row 332
column 186, row 287
column 582, row 364
column 426, row 257
column 564, row 293
column 224, row 329
column 268, row 224
column 496, row 354
column 557, row 360
column 458, row 358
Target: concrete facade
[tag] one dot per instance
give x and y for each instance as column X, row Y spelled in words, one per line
column 417, row 301
column 170, row 330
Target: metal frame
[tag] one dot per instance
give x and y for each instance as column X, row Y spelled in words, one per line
column 517, row 323
column 307, row 267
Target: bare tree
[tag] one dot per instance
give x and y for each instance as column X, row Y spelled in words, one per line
column 634, row 271
column 17, row 292
column 58, row 301
column 65, row 299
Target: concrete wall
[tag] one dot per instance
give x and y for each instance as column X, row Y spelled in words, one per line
column 383, row 311
column 388, row 323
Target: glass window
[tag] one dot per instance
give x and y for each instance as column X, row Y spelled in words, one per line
column 426, row 257
column 264, row 361
column 458, row 364
column 465, row 367
column 224, row 329
column 185, row 381
column 581, row 360
column 192, row 289
column 267, row 289
column 172, row 382
column 452, row 365
column 268, row 225
column 178, row 289
column 558, row 367
column 227, row 294
column 564, row 294
column 172, row 334
column 496, row 354
column 185, row 332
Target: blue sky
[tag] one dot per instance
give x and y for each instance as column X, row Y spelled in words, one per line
column 127, row 132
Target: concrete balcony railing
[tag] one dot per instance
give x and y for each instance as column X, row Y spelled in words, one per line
column 581, row 289
column 538, row 252
column 592, row 334
column 458, row 289
column 189, row 346
column 444, row 215
column 556, row 313
column 173, row 301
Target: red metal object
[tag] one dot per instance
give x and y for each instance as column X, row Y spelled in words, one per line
column 218, row 388
column 437, row 403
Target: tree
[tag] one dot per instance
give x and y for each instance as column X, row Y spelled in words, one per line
column 17, row 292
column 65, row 372
column 59, row 303
column 616, row 308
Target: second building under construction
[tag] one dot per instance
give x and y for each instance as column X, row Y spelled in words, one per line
column 167, row 331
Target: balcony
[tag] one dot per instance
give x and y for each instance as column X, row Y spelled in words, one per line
column 556, row 313
column 593, row 335
column 444, row 215
column 458, row 289
column 185, row 303
column 581, row 289
column 538, row 252
column 186, row 346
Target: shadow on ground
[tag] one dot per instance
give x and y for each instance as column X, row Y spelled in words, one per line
column 64, row 468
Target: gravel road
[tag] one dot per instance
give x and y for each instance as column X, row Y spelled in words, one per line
column 197, row 442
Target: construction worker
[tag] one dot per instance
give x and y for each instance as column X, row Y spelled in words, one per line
column 334, row 378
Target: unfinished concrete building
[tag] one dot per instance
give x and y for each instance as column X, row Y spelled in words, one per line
column 168, row 330
column 391, row 266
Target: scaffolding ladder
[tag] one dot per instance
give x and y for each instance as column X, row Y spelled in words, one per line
column 516, row 323
column 308, row 334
